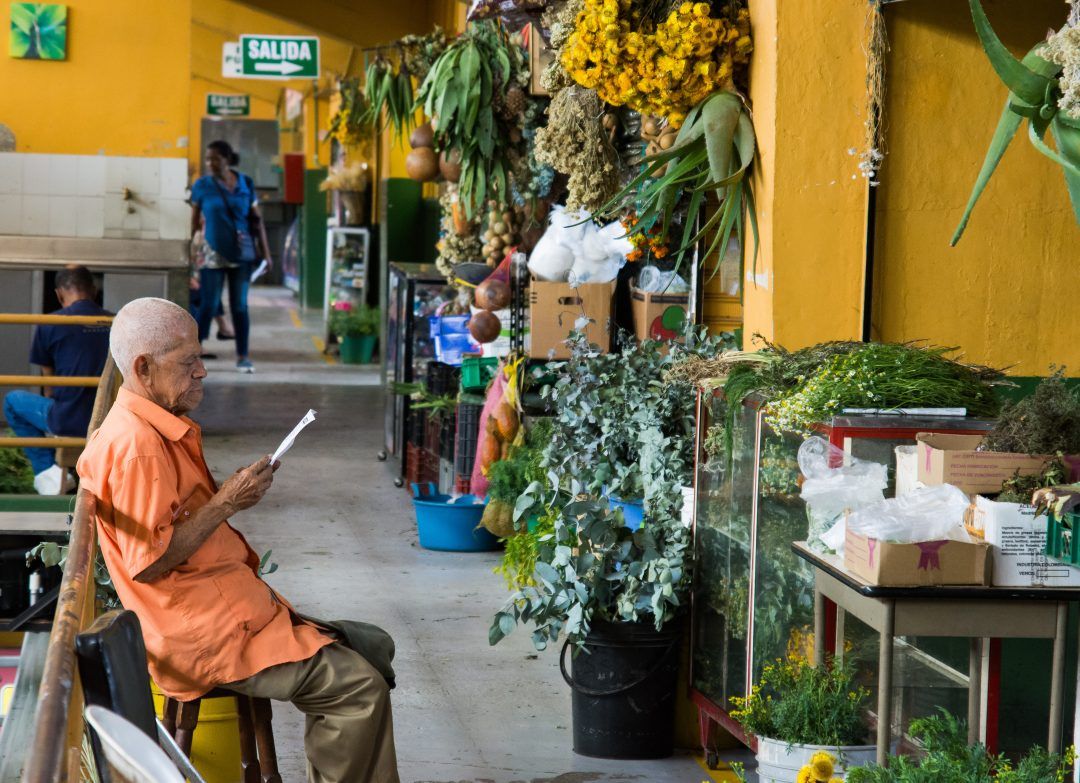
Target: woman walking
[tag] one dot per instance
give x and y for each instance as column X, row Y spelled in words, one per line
column 225, row 208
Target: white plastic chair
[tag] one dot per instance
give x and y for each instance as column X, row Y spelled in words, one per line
column 133, row 755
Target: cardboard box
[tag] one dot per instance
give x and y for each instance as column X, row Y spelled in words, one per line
column 554, row 308
column 658, row 316
column 916, row 565
column 953, row 459
column 1018, row 541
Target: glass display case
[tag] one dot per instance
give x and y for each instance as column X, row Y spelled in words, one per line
column 348, row 274
column 753, row 598
column 415, row 292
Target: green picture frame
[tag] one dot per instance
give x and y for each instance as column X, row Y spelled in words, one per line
column 38, row 31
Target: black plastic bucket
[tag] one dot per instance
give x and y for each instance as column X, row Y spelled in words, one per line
column 624, row 691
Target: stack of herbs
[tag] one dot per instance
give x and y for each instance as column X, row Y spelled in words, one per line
column 806, row 388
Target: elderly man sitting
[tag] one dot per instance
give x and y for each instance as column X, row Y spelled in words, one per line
column 207, row 617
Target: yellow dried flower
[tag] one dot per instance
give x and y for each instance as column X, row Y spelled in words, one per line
column 821, row 766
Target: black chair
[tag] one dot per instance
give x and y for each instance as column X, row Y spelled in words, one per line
column 112, row 671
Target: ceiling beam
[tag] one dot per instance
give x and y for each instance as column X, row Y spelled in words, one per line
column 359, row 22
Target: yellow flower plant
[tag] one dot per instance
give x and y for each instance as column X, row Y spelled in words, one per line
column 665, row 71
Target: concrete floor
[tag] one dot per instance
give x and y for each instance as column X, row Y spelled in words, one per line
column 344, row 540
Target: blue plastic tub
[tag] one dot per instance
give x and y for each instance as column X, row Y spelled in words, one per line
column 633, row 511
column 450, row 525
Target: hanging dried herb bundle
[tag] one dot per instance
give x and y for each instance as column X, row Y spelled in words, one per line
column 1046, row 422
column 576, row 143
column 419, row 52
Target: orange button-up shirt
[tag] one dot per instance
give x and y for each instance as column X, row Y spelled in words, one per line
column 211, row 620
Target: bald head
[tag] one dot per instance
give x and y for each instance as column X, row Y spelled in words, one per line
column 147, row 327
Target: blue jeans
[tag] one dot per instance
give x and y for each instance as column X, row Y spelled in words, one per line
column 211, row 282
column 28, row 415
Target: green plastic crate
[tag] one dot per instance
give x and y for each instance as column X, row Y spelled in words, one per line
column 1060, row 543
column 477, row 372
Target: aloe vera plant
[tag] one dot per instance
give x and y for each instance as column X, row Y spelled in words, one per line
column 1034, row 95
column 712, row 153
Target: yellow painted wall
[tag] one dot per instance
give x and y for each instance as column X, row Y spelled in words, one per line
column 123, row 89
column 999, row 293
column 806, row 93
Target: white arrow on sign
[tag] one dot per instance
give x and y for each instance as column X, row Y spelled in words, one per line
column 282, row 67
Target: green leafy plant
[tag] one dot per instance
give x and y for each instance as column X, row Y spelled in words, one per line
column 16, row 475
column 798, row 703
column 620, row 426
column 388, row 86
column 712, row 154
column 617, row 427
column 592, row 566
column 948, row 758
column 38, row 31
column 50, row 553
column 1045, row 422
column 355, row 322
column 462, row 94
column 1020, row 489
column 1036, row 86
column 884, row 376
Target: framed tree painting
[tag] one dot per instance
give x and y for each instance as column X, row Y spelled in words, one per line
column 38, row 31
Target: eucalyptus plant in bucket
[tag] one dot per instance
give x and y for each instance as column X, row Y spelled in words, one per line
column 357, row 330
column 799, row 713
column 614, row 594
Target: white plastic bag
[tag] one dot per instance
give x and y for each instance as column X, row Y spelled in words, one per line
column 925, row 514
column 654, row 281
column 836, row 483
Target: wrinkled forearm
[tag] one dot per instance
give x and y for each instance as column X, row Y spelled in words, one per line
column 187, row 537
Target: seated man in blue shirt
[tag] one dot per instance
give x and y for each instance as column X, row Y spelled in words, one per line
column 78, row 350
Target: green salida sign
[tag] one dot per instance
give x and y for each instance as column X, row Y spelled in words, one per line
column 218, row 105
column 280, row 56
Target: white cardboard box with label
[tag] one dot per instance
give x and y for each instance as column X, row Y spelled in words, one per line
column 1018, row 540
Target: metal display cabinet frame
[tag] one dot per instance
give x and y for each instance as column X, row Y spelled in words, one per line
column 751, row 590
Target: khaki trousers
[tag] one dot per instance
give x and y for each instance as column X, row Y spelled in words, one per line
column 349, row 734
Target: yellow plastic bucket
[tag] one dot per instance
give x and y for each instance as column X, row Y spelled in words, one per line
column 215, row 748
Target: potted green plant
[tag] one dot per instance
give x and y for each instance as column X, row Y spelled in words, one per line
column 357, row 329
column 619, row 428
column 947, row 756
column 797, row 711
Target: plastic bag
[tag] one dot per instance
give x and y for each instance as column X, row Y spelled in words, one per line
column 834, row 484
column 925, row 514
column 654, row 281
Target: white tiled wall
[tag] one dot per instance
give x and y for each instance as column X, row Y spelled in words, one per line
column 83, row 196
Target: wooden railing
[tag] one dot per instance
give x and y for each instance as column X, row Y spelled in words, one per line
column 50, row 442
column 58, row 726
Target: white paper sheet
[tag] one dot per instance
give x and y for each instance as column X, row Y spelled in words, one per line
column 288, row 442
column 260, row 270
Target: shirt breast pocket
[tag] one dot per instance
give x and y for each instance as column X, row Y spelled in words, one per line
column 247, row 599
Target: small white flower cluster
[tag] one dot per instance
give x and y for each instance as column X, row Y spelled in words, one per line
column 1063, row 48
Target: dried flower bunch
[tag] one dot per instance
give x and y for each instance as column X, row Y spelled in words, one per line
column 1063, row 48
column 575, row 143
column 666, row 70
column 419, row 52
column 355, row 176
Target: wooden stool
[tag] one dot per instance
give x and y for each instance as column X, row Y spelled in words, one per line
column 258, row 756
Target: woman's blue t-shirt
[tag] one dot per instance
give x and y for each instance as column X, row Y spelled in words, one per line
column 221, row 225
